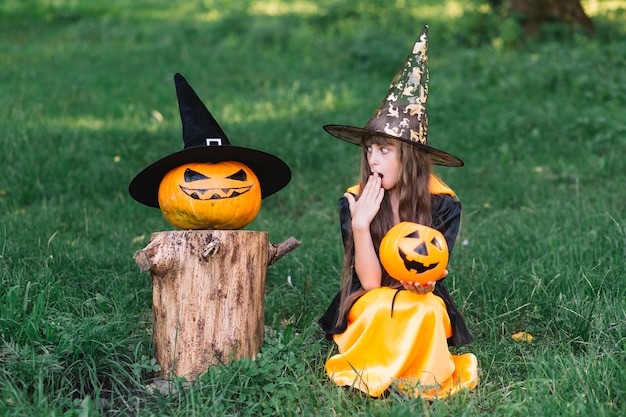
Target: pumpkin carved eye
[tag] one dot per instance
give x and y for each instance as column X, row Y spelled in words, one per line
column 413, row 252
column 238, row 176
column 191, row 176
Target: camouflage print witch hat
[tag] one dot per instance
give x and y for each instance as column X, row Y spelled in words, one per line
column 402, row 113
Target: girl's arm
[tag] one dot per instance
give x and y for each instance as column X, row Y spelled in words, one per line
column 366, row 263
column 363, row 210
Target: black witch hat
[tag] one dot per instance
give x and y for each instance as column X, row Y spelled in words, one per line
column 205, row 141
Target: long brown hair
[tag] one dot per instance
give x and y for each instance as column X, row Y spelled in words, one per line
column 414, row 206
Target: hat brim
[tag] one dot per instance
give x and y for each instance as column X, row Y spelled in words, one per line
column 272, row 172
column 355, row 135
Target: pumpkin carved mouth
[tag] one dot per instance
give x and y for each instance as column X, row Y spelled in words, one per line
column 214, row 193
column 414, row 265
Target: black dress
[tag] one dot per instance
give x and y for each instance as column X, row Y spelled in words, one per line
column 446, row 217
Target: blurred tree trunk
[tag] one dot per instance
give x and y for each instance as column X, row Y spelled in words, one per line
column 534, row 13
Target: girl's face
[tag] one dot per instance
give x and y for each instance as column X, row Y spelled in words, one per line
column 384, row 161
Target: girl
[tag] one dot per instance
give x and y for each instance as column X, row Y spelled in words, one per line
column 391, row 332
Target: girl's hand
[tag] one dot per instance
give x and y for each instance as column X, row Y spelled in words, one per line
column 365, row 208
column 366, row 263
column 417, row 288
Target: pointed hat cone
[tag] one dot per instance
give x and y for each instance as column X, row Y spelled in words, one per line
column 199, row 126
column 402, row 113
column 205, row 141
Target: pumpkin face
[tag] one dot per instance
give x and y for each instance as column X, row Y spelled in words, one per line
column 414, row 252
column 221, row 195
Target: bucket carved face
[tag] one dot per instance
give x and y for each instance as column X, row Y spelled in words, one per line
column 414, row 252
column 221, row 195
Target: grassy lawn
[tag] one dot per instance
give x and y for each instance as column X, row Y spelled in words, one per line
column 88, row 100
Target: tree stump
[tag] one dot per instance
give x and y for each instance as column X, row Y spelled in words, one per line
column 208, row 296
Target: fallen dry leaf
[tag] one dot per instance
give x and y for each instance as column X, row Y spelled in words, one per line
column 522, row 337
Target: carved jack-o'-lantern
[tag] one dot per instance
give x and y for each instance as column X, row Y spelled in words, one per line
column 221, row 195
column 414, row 252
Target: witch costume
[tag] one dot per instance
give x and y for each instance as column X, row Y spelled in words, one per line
column 393, row 336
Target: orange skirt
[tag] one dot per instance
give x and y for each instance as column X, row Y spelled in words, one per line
column 406, row 346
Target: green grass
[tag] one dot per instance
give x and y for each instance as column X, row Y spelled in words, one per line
column 542, row 249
